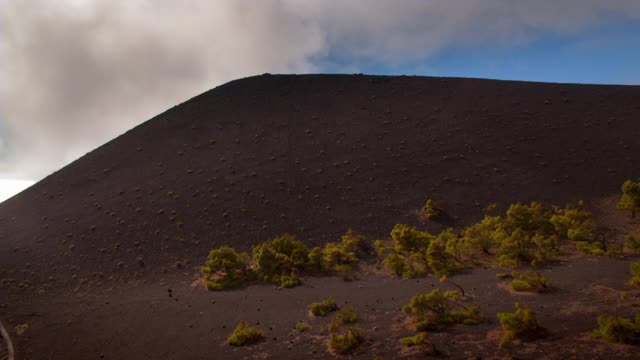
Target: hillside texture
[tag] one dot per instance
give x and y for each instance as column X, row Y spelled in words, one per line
column 310, row 155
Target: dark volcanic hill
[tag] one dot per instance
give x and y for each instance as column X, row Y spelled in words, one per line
column 99, row 259
column 313, row 155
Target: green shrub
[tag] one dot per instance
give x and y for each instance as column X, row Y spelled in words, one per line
column 528, row 281
column 514, row 249
column 338, row 257
column 415, row 265
column 315, row 260
column 632, row 242
column 323, row 308
column 440, row 260
column 521, row 324
column 416, row 253
column 590, row 248
column 431, row 211
column 302, row 326
column 630, row 197
column 225, row 268
column 435, row 309
column 619, row 330
column 245, row 335
column 481, row 237
column 382, row 249
column 634, row 268
column 342, row 317
column 352, row 241
column 395, row 264
column 347, row 342
column 452, row 295
column 530, row 219
column 418, row 339
column 288, row 281
column 278, row 260
column 520, row 247
column 573, row 223
column 503, row 276
column 407, row 239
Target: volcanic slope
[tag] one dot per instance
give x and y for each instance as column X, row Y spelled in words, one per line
column 99, row 259
column 312, row 155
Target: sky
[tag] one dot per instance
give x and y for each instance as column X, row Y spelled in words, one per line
column 76, row 73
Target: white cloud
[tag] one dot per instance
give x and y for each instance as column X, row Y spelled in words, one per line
column 76, row 73
column 10, row 187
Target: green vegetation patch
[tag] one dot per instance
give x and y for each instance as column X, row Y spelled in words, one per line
column 634, row 268
column 346, row 343
column 527, row 234
column 340, row 257
column 323, row 308
column 435, row 309
column 420, row 338
column 633, row 242
column 573, row 222
column 302, row 326
column 596, row 248
column 346, row 316
column 280, row 261
column 225, row 268
column 431, row 211
column 521, row 324
column 618, row 330
column 528, row 281
column 414, row 253
column 245, row 335
column 630, row 198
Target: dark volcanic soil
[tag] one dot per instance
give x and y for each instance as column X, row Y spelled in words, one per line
column 87, row 255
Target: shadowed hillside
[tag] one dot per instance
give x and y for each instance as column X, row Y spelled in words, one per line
column 313, row 155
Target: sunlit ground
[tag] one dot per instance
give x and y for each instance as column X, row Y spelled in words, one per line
column 10, row 187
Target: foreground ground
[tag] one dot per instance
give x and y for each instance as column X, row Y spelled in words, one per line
column 146, row 321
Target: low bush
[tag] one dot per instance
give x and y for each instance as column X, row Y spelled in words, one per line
column 408, row 239
column 431, row 211
column 619, row 330
column 573, row 222
column 279, row 260
column 302, row 326
column 245, row 335
column 595, row 248
column 416, row 253
column 347, row 342
column 288, row 281
column 225, row 268
column 630, row 198
column 436, row 309
column 441, row 256
column 590, row 248
column 395, row 264
column 528, row 281
column 323, row 308
column 482, row 237
column 633, row 242
column 343, row 317
column 521, row 324
column 634, row 268
column 418, row 339
column 341, row 257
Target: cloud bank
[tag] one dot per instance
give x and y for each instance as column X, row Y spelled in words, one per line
column 77, row 73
